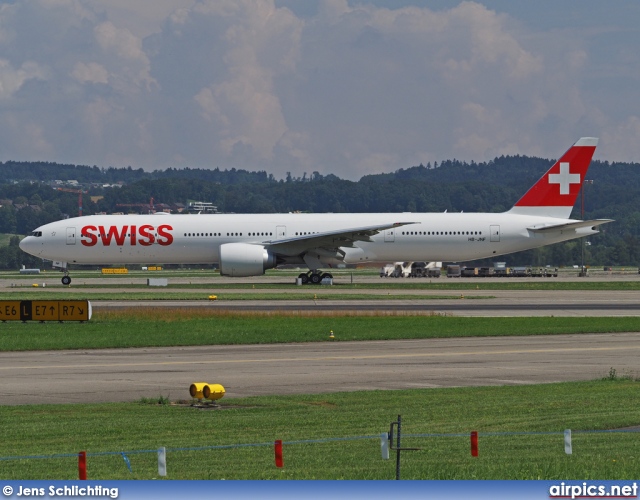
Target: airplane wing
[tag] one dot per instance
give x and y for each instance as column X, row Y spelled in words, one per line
column 330, row 240
column 569, row 225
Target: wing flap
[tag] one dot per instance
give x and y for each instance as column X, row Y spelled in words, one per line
column 330, row 240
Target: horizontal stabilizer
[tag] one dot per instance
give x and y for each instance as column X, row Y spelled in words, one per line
column 570, row 225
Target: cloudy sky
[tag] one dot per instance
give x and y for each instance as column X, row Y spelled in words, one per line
column 334, row 86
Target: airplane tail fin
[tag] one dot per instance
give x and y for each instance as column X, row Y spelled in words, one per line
column 555, row 193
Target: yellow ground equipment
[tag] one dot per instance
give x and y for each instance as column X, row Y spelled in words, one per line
column 203, row 390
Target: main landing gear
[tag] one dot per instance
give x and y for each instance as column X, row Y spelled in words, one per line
column 314, row 277
column 66, row 279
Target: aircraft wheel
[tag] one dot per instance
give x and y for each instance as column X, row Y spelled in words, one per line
column 304, row 278
column 66, row 280
column 316, row 278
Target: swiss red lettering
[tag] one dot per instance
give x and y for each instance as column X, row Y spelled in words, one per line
column 164, row 236
column 144, row 235
column 87, row 236
column 107, row 234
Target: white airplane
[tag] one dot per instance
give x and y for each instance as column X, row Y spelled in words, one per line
column 248, row 244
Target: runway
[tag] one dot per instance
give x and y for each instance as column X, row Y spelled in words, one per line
column 478, row 303
column 111, row 375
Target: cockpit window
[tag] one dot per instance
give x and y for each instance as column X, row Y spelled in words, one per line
column 37, row 234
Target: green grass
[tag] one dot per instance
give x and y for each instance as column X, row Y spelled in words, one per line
column 117, row 427
column 181, row 327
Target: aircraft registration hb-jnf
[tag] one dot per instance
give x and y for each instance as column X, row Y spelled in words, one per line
column 247, row 245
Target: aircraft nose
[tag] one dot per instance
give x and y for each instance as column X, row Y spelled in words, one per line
column 26, row 244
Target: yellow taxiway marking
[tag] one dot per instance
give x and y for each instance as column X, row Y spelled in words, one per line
column 328, row 358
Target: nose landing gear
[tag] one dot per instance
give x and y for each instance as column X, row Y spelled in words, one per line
column 62, row 266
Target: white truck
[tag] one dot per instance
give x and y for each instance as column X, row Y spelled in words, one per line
column 411, row 270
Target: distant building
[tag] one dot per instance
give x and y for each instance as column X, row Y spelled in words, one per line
column 202, row 207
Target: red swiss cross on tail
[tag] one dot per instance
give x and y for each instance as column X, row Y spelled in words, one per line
column 555, row 193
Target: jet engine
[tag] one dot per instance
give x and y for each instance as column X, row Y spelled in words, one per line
column 243, row 259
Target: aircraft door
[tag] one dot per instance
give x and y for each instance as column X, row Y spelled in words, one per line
column 389, row 236
column 495, row 234
column 281, row 231
column 71, row 236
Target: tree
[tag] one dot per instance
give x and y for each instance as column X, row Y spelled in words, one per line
column 27, row 220
column 8, row 221
column 35, row 200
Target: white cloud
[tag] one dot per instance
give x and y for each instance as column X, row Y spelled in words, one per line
column 243, row 46
column 141, row 17
column 12, row 79
column 348, row 88
column 125, row 51
column 91, row 73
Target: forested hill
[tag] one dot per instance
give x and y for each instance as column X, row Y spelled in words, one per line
column 44, row 171
column 451, row 185
column 519, row 172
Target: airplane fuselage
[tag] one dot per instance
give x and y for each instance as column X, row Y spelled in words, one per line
column 196, row 239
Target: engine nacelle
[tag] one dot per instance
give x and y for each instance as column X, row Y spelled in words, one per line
column 243, row 259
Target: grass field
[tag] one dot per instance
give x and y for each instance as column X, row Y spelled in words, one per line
column 347, row 427
column 181, row 327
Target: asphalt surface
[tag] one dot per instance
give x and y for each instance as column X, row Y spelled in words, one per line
column 332, row 366
column 459, row 303
column 452, row 308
